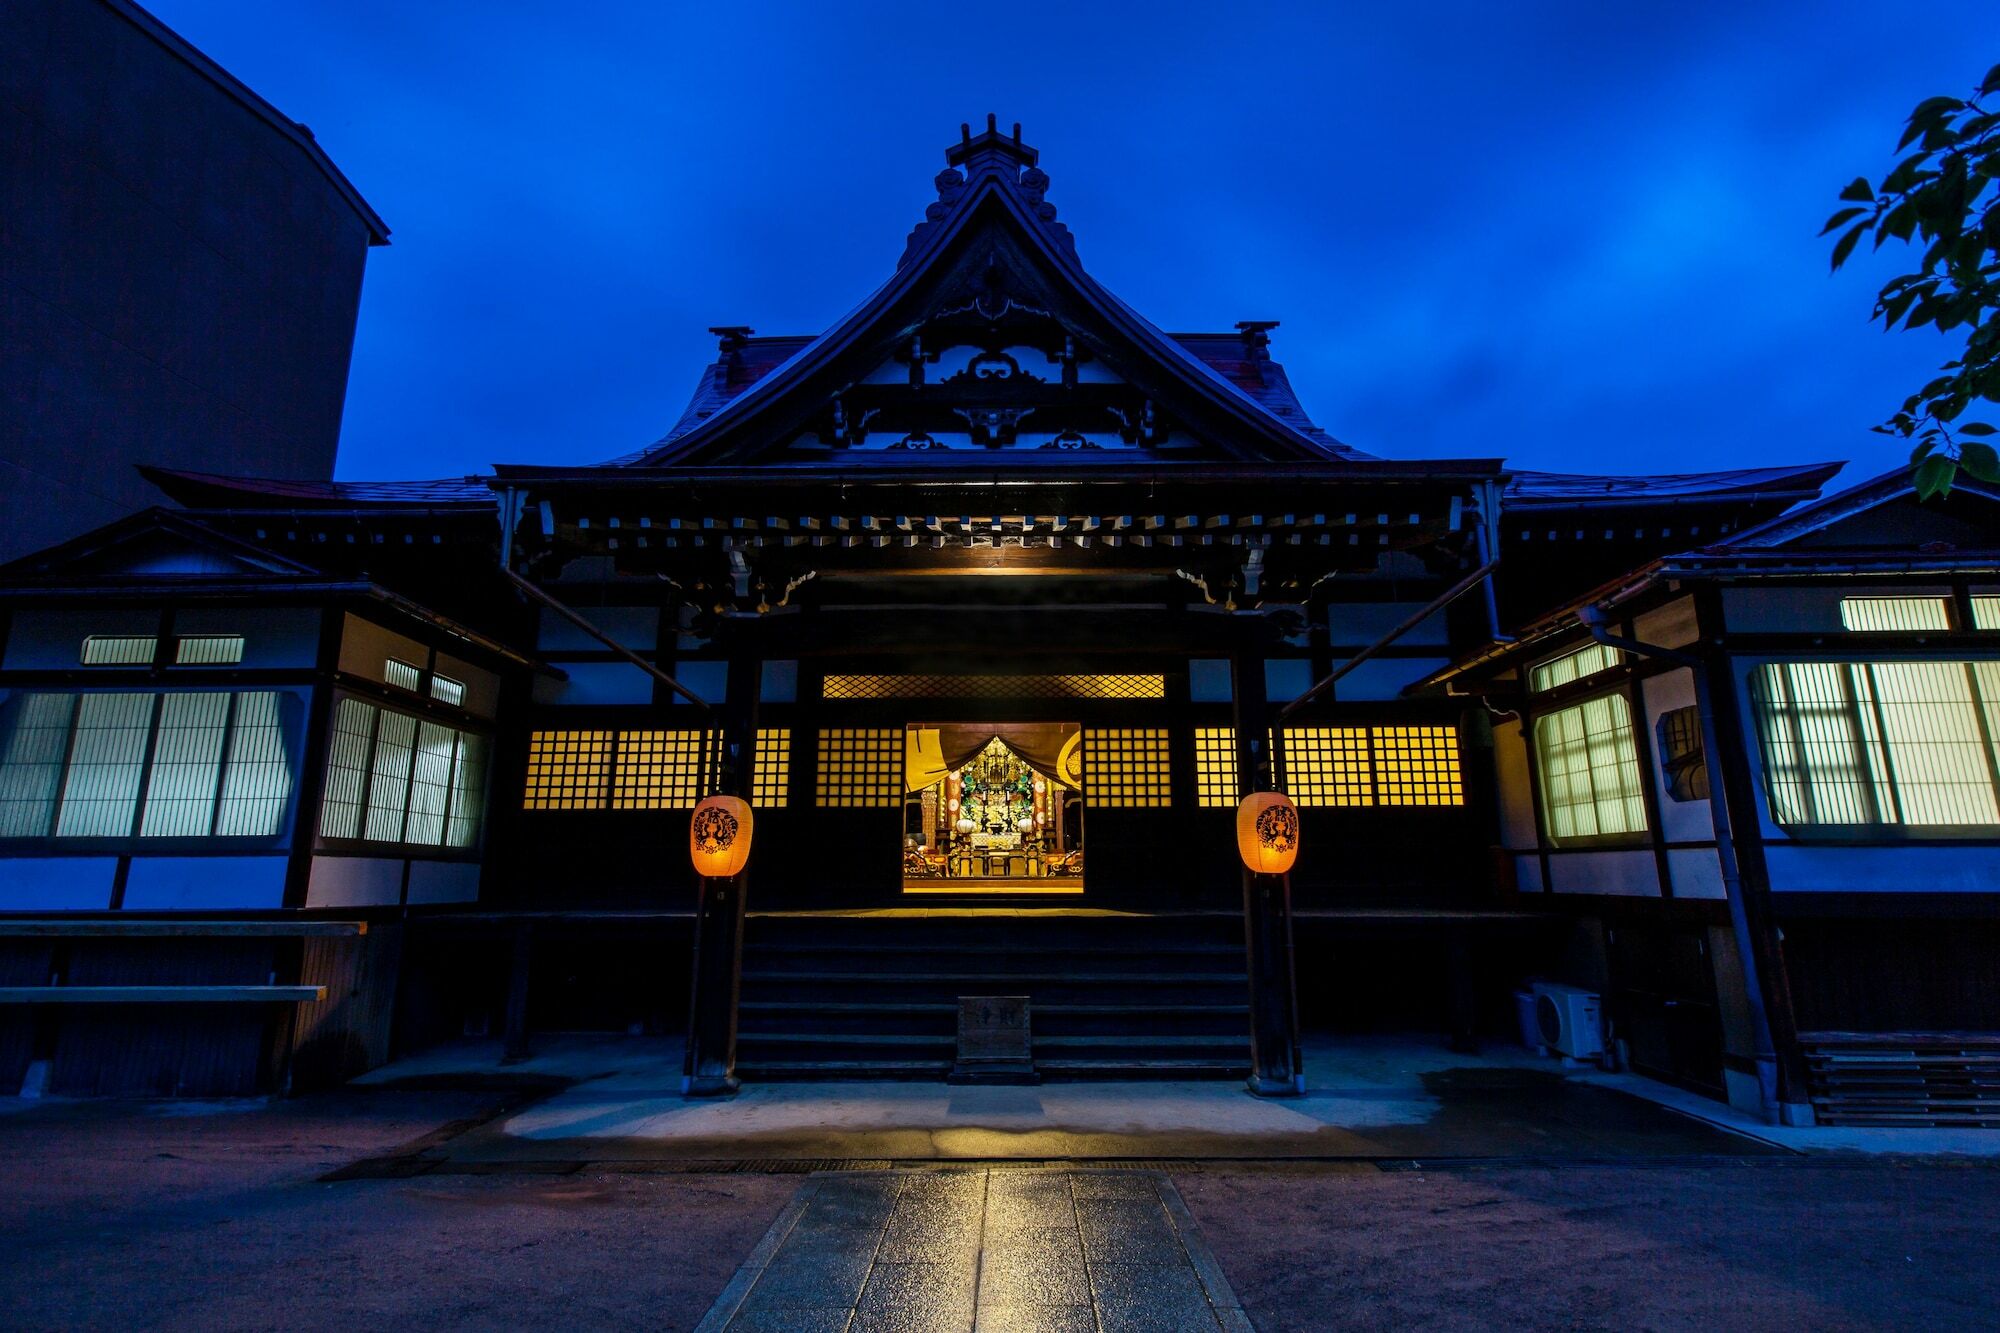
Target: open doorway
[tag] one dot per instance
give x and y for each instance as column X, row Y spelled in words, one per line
column 993, row 808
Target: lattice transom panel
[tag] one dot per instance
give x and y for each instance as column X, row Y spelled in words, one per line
column 771, row 778
column 1379, row 765
column 859, row 767
column 995, row 687
column 617, row 770
column 1126, row 767
column 1215, row 766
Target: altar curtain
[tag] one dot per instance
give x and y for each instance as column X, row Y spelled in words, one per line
column 933, row 753
column 923, row 759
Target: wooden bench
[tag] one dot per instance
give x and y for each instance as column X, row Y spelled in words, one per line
column 107, row 927
column 58, row 994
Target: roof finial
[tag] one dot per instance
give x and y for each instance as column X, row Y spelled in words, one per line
column 990, row 149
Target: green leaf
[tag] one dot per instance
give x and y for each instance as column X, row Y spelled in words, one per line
column 1933, row 476
column 1845, row 246
column 1991, row 83
column 1977, row 428
column 1896, row 307
column 1980, row 461
column 1936, row 106
column 1844, row 215
column 1922, row 451
column 1859, row 191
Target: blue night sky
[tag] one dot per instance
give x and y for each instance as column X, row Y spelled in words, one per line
column 1579, row 236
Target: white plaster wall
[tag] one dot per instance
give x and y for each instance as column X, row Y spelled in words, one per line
column 1697, row 873
column 1675, row 625
column 1360, row 623
column 596, row 683
column 1680, row 821
column 199, row 883
column 1385, row 677
column 1830, row 868
column 53, row 640
column 355, row 881
column 56, row 883
column 1517, row 799
column 281, row 636
column 443, row 882
column 1621, row 872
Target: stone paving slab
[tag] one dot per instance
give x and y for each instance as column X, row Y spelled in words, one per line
column 981, row 1251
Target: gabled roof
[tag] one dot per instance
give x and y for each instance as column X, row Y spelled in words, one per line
column 998, row 199
column 1895, row 484
column 154, row 543
column 1766, row 550
column 1235, row 356
column 1565, row 490
column 208, row 490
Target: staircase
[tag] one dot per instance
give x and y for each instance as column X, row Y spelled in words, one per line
column 1111, row 997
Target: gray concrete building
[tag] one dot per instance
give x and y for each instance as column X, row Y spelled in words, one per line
column 180, row 267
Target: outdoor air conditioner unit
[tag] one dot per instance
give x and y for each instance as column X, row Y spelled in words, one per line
column 1571, row 1020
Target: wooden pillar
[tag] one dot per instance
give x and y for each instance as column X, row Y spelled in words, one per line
column 1459, row 960
column 515, row 1044
column 1267, row 904
column 709, row 1066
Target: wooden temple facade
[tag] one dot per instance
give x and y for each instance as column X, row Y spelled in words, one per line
column 993, row 599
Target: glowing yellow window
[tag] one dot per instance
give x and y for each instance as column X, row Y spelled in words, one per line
column 1329, row 766
column 1417, row 766
column 771, row 779
column 658, row 770
column 1126, row 767
column 568, row 770
column 1215, row 766
column 859, row 767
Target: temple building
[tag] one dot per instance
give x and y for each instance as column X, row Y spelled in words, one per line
column 993, row 600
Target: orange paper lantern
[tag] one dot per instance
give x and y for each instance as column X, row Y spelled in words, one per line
column 719, row 836
column 1267, row 832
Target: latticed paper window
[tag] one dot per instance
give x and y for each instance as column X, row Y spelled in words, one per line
column 995, row 687
column 859, row 767
column 1573, row 666
column 208, row 650
column 187, row 766
column 1879, row 742
column 771, row 778
column 1215, row 766
column 1126, row 767
column 37, row 729
column 1416, row 765
column 658, row 770
column 77, row 765
column 118, row 650
column 1329, row 766
column 1986, row 612
column 1590, row 770
column 568, row 770
column 347, row 769
column 1680, row 747
column 107, row 759
column 1884, row 614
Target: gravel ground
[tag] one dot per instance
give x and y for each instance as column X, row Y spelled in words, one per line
column 1821, row 1246
column 119, row 1216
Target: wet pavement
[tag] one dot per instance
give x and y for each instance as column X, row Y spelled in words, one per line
column 1364, row 1100
column 1013, row 1249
